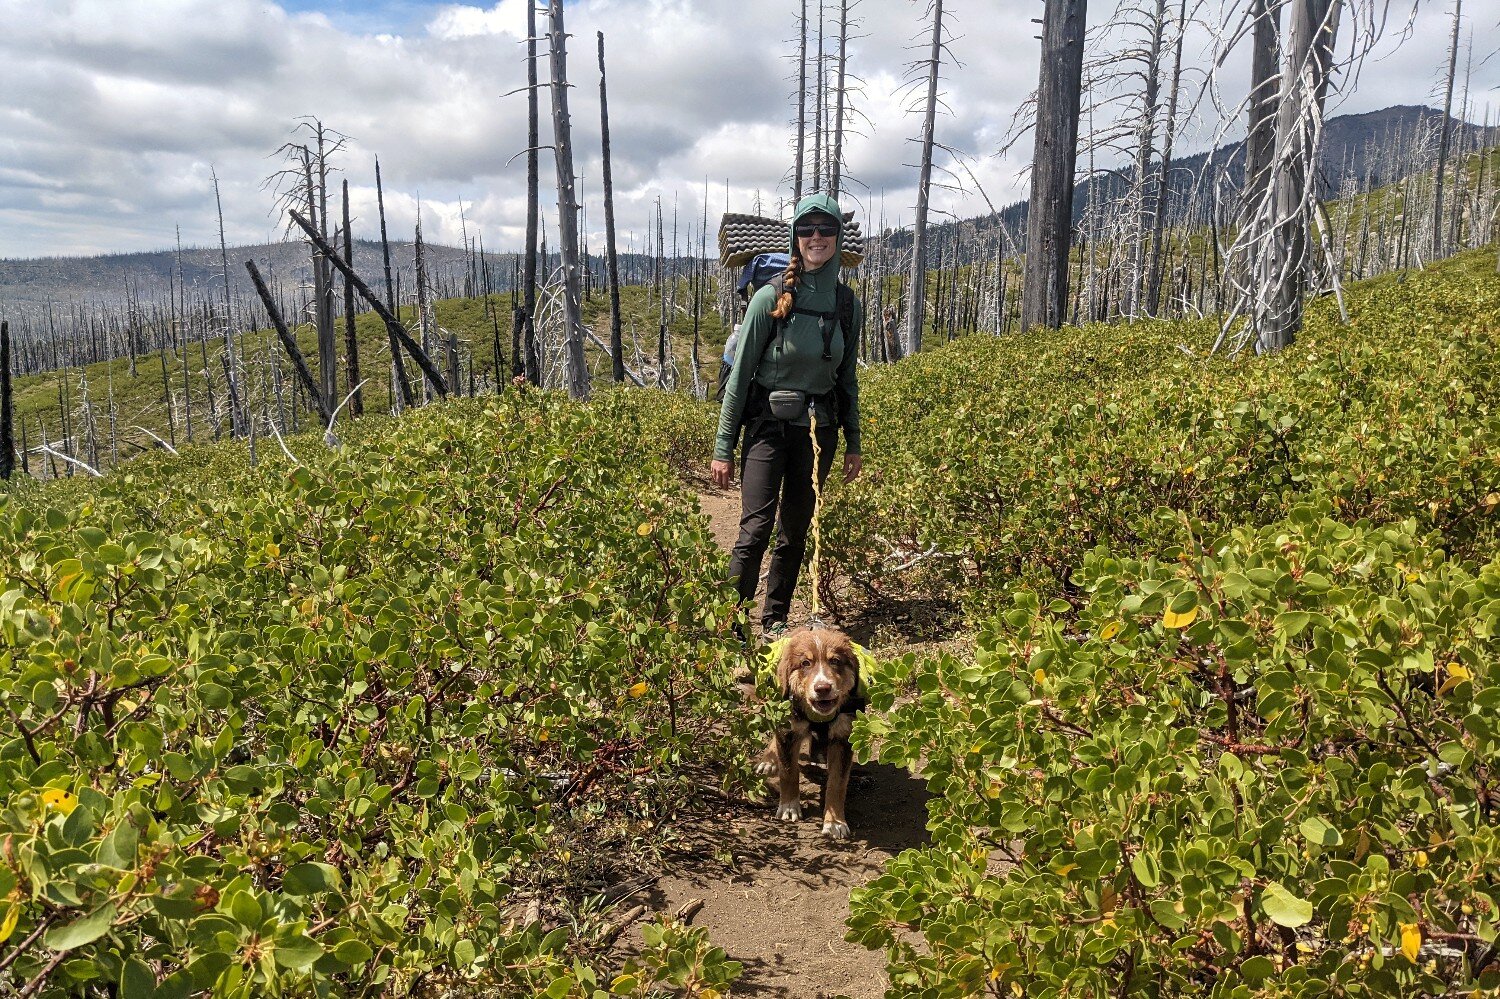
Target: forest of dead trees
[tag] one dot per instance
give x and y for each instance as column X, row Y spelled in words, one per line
column 1120, row 226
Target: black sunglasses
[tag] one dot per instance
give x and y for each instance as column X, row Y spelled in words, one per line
column 817, row 228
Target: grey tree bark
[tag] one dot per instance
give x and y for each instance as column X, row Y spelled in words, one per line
column 576, row 372
column 916, row 302
column 7, row 407
column 611, row 259
column 526, row 319
column 1299, row 127
column 836, row 160
column 1044, row 294
column 351, row 340
column 1445, row 136
column 801, row 103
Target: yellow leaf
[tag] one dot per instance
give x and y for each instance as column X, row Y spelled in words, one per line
column 543, row 735
column 1420, row 858
column 709, row 994
column 1172, row 619
column 1109, row 630
column 59, row 801
column 643, row 530
column 1040, row 676
column 1412, row 577
column 1456, row 675
column 273, row 549
column 1411, row 941
column 8, row 923
column 637, row 689
column 1065, row 868
column 1491, row 501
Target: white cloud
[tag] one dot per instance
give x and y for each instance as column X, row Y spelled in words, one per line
column 116, row 110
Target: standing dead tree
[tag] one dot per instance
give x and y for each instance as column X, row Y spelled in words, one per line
column 351, row 339
column 7, row 407
column 612, row 262
column 577, row 373
column 434, row 377
column 916, row 303
column 1049, row 222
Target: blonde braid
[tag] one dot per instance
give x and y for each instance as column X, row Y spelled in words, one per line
column 789, row 284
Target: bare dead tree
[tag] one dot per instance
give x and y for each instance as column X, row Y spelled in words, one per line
column 289, row 344
column 1044, row 296
column 7, row 407
column 351, row 339
column 612, row 262
column 398, row 369
column 836, row 159
column 797, row 186
column 577, row 374
column 917, row 300
column 526, row 318
column 1445, row 134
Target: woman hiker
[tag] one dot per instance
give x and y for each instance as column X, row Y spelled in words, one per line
column 793, row 355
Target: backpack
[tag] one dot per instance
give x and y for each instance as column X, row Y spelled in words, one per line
column 770, row 268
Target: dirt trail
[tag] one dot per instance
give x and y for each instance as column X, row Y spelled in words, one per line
column 776, row 895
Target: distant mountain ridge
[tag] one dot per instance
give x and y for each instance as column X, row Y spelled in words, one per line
column 1382, row 145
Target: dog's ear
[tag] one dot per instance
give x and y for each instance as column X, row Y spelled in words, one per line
column 784, row 668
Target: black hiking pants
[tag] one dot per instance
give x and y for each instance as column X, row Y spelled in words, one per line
column 776, row 470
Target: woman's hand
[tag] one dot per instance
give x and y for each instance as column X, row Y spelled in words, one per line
column 723, row 473
column 853, row 465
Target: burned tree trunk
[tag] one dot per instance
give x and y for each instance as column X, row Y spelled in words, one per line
column 289, row 343
column 398, row 370
column 351, row 339
column 1445, row 136
column 836, row 158
column 1299, row 126
column 527, row 317
column 7, row 407
column 392, row 324
column 577, row 373
column 611, row 261
column 917, row 301
column 1044, row 294
column 797, row 185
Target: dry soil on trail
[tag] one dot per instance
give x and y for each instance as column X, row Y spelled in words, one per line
column 775, row 894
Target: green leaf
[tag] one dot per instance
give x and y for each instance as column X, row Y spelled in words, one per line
column 118, row 849
column 309, row 879
column 137, row 981
column 296, row 951
column 1143, row 866
column 352, row 952
column 1284, row 908
column 463, row 953
column 81, row 931
column 1319, row 832
column 1258, row 967
column 1291, row 623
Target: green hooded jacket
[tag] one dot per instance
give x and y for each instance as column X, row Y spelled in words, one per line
column 795, row 361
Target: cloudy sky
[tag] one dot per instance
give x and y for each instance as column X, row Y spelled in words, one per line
column 115, row 113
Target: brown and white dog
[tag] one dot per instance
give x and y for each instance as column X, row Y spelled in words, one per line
column 818, row 672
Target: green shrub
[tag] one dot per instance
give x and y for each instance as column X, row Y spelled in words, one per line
column 1001, row 461
column 1262, row 764
column 310, row 729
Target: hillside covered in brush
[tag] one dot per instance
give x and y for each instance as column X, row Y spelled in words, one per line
column 1225, row 725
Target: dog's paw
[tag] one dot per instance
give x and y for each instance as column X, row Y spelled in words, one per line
column 766, row 768
column 789, row 813
column 836, row 830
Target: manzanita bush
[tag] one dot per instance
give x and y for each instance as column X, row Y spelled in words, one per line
column 1265, row 763
column 999, row 461
column 314, row 728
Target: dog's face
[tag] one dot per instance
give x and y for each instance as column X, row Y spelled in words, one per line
column 818, row 669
